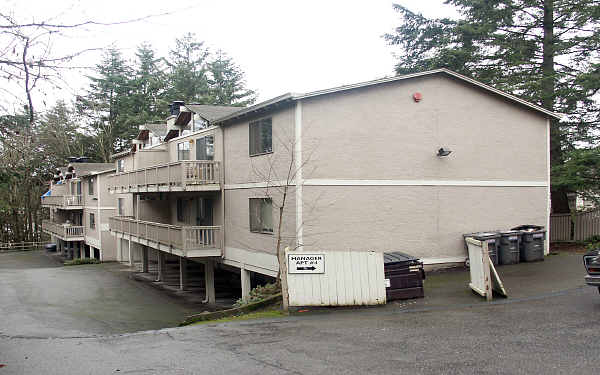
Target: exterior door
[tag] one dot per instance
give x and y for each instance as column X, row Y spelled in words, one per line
column 204, row 215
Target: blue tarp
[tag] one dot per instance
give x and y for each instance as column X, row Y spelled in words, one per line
column 47, row 194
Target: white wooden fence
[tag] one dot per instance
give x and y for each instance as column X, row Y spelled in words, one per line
column 574, row 227
column 349, row 278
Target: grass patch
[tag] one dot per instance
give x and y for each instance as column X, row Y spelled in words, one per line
column 80, row 261
column 253, row 315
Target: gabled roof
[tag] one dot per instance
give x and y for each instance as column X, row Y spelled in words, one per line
column 159, row 130
column 290, row 97
column 84, row 169
column 212, row 112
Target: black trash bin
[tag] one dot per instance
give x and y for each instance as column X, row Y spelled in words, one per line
column 532, row 242
column 509, row 248
column 404, row 276
column 492, row 239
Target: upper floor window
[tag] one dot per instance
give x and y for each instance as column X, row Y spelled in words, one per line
column 205, row 148
column 261, row 215
column 91, row 186
column 261, row 139
column 121, row 165
column 92, row 221
column 183, row 151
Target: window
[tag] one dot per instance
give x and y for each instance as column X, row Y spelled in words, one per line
column 205, row 148
column 121, row 165
column 180, row 207
column 261, row 215
column 92, row 221
column 121, row 206
column 91, row 186
column 261, row 141
column 183, row 151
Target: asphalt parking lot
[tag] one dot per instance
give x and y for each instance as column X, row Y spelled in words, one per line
column 549, row 325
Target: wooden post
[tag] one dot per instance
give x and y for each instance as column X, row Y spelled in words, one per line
column 161, row 266
column 209, row 281
column 246, row 286
column 145, row 259
column 486, row 270
column 182, row 273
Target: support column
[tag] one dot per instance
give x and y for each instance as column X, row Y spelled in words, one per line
column 182, row 273
column 145, row 259
column 246, row 285
column 209, row 281
column 161, row 266
column 129, row 254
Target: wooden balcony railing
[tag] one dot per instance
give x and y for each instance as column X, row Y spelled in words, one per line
column 184, row 238
column 63, row 231
column 62, row 200
column 181, row 175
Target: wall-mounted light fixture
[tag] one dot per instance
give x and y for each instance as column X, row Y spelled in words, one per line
column 443, row 152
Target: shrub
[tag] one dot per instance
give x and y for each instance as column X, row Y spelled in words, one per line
column 77, row 262
column 260, row 293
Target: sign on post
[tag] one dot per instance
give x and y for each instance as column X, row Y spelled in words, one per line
column 306, row 263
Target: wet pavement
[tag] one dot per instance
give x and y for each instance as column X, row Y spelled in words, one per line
column 40, row 297
column 549, row 325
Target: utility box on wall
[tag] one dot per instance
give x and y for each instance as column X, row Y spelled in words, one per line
column 335, row 278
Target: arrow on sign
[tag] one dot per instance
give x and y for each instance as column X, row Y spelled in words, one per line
column 307, row 268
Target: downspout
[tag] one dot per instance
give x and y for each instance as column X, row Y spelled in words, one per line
column 222, row 190
column 99, row 221
column 299, row 180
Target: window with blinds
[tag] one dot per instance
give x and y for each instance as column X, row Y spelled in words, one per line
column 261, row 138
column 261, row 215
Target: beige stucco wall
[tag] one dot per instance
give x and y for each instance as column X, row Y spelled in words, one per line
column 242, row 168
column 425, row 221
column 381, row 133
column 237, row 225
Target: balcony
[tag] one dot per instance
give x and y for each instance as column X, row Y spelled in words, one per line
column 185, row 241
column 73, row 202
column 190, row 175
column 65, row 232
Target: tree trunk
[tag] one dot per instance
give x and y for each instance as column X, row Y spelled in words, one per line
column 560, row 203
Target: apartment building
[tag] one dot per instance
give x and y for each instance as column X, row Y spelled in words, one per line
column 79, row 207
column 407, row 163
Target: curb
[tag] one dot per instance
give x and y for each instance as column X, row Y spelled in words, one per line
column 231, row 312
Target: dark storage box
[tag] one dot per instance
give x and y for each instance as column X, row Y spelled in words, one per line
column 493, row 241
column 532, row 242
column 508, row 250
column 403, row 275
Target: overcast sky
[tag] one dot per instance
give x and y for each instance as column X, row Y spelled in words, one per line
column 281, row 45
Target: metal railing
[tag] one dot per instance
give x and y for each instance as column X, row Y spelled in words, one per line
column 179, row 237
column 181, row 173
column 62, row 200
column 62, row 230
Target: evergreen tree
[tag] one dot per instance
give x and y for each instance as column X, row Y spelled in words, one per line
column 107, row 105
column 148, row 86
column 546, row 51
column 187, row 71
column 227, row 83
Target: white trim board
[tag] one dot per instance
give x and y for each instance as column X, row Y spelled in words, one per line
column 343, row 182
column 430, row 261
column 332, row 182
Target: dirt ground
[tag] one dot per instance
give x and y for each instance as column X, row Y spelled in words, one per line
column 571, row 247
